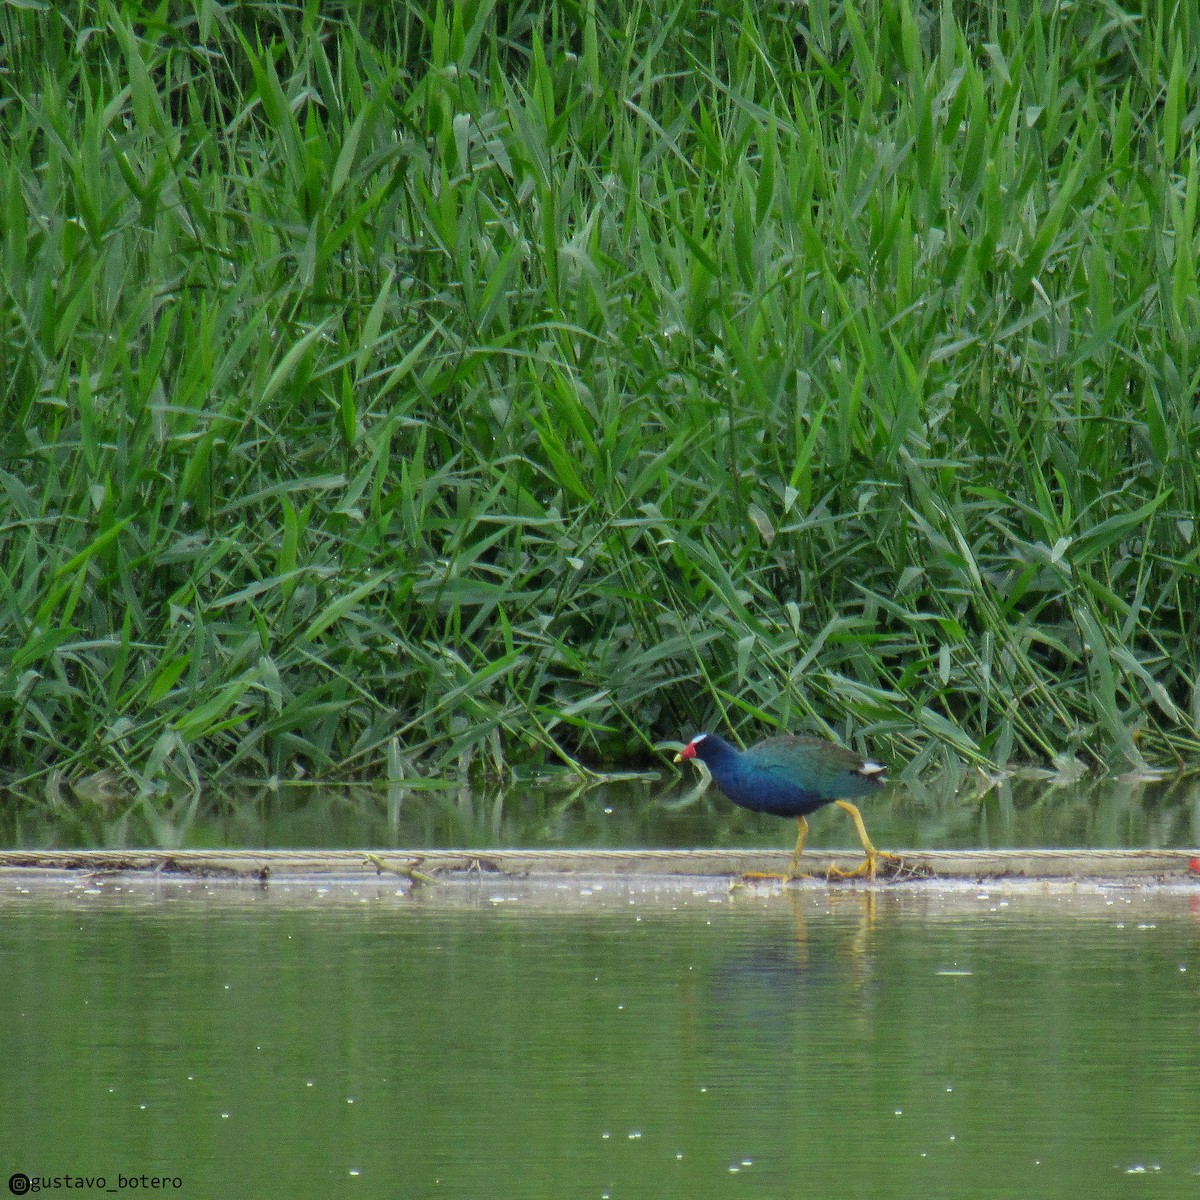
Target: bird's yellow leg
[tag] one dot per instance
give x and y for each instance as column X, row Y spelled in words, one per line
column 791, row 873
column 801, row 838
column 870, row 865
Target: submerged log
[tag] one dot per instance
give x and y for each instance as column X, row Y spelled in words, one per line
column 425, row 865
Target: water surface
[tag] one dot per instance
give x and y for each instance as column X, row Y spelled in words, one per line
column 601, row 1040
column 656, row 812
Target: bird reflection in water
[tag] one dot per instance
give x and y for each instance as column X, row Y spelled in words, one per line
column 824, row 966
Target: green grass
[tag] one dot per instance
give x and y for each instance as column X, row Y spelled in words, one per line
column 392, row 391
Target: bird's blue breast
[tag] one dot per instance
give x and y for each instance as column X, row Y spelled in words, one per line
column 768, row 791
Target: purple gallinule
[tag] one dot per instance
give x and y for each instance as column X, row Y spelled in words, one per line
column 792, row 777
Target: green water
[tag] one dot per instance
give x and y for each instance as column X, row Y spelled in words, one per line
column 950, row 812
column 499, row 1039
